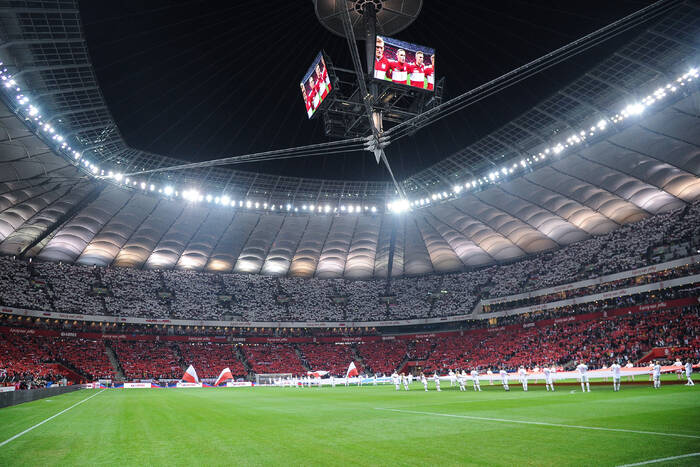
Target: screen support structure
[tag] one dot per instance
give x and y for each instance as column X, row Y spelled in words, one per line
column 376, row 142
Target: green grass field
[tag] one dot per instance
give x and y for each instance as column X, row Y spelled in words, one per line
column 342, row 426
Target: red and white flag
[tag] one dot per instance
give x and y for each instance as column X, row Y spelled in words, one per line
column 190, row 375
column 352, row 370
column 317, row 373
column 223, row 376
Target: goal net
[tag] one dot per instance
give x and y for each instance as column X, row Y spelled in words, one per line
column 269, row 379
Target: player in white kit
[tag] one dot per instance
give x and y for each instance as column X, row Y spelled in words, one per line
column 461, row 378
column 404, row 379
column 504, row 379
column 475, row 380
column 489, row 373
column 410, row 379
column 656, row 373
column 436, row 378
column 522, row 374
column 395, row 379
column 615, row 368
column 548, row 382
column 689, row 373
column 453, row 378
column 679, row 368
column 424, row 380
column 582, row 369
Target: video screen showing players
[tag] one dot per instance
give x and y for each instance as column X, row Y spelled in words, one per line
column 316, row 85
column 404, row 63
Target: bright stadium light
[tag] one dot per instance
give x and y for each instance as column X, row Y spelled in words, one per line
column 168, row 190
column 634, row 109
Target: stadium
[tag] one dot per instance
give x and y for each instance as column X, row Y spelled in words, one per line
column 490, row 258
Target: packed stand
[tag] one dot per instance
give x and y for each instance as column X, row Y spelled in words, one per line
column 383, row 357
column 71, row 287
column 334, row 358
column 147, row 360
column 198, row 296
column 209, row 359
column 18, row 288
column 273, row 358
column 597, row 342
column 134, row 293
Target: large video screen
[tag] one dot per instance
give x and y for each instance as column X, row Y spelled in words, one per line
column 316, row 85
column 404, row 63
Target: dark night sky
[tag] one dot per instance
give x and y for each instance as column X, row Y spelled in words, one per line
column 199, row 80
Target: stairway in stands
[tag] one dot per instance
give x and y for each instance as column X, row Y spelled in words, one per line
column 360, row 360
column 302, row 358
column 180, row 358
column 238, row 350
column 114, row 361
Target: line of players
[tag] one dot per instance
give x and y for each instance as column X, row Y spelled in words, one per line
column 319, row 87
column 418, row 74
column 523, row 376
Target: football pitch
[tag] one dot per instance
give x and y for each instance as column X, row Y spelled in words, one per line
column 357, row 426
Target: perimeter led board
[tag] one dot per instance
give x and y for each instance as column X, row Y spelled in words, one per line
column 316, row 85
column 404, row 63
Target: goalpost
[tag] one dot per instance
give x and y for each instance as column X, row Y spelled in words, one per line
column 268, row 379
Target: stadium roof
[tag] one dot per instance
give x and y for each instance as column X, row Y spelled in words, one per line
column 53, row 209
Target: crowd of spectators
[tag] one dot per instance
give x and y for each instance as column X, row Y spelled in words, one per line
column 334, row 358
column 32, row 360
column 658, row 276
column 147, row 360
column 181, row 294
column 210, row 359
column 598, row 342
column 274, row 358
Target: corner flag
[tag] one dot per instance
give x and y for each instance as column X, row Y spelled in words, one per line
column 190, row 375
column 223, row 376
column 352, row 370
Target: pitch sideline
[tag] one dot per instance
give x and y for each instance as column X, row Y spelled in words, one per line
column 527, row 422
column 663, row 459
column 48, row 419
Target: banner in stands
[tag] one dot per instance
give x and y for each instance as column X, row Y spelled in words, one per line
column 137, row 385
column 188, row 385
column 238, row 384
column 664, row 305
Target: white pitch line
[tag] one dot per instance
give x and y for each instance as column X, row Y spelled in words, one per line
column 664, row 459
column 48, row 419
column 526, row 422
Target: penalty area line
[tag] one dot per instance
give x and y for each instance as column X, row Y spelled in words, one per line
column 527, row 422
column 49, row 419
column 663, row 459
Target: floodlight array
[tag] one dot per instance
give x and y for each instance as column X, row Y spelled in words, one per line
column 26, row 109
column 555, row 149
